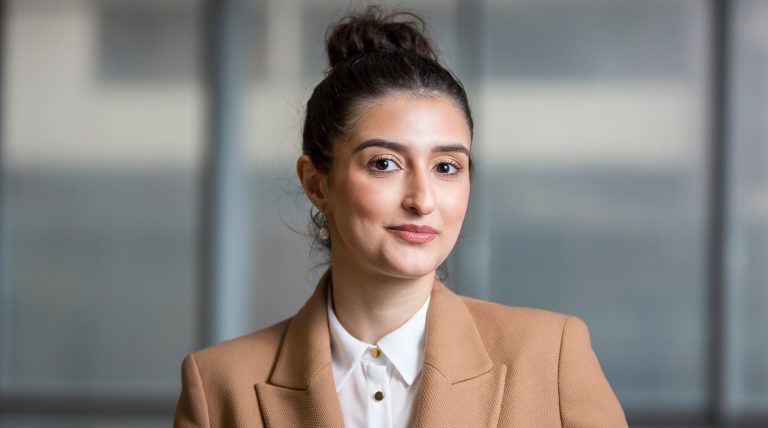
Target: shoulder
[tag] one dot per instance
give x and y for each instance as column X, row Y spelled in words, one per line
column 551, row 355
column 251, row 355
column 513, row 330
column 515, row 319
column 217, row 382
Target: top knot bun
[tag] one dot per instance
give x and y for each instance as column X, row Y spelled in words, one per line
column 375, row 31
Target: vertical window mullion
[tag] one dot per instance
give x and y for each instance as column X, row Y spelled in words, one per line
column 717, row 211
column 222, row 217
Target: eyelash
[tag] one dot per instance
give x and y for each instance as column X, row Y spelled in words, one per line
column 372, row 163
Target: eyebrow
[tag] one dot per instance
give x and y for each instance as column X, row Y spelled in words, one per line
column 398, row 147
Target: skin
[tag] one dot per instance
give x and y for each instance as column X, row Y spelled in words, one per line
column 406, row 161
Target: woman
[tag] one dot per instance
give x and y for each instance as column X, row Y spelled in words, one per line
column 382, row 342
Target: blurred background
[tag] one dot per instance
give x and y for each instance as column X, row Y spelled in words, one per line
column 148, row 193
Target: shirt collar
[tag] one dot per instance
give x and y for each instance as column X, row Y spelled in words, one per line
column 403, row 347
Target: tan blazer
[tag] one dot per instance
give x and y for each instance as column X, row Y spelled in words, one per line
column 485, row 365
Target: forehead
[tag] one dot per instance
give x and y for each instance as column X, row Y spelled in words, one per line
column 411, row 119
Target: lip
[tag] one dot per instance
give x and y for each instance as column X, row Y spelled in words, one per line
column 414, row 233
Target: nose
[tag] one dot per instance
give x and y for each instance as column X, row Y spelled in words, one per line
column 419, row 195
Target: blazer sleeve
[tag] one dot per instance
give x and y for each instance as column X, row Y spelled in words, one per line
column 586, row 398
column 192, row 408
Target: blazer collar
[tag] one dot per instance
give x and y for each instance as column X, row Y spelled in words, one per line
column 456, row 367
column 453, row 344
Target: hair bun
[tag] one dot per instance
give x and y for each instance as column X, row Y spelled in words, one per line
column 375, row 31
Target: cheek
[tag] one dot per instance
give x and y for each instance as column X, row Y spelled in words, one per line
column 365, row 197
column 454, row 204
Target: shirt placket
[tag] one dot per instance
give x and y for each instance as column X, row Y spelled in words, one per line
column 379, row 398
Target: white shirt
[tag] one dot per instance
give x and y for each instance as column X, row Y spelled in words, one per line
column 378, row 391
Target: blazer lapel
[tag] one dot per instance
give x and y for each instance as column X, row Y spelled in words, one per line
column 460, row 386
column 301, row 390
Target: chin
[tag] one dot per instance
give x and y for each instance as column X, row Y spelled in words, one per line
column 411, row 262
column 412, row 269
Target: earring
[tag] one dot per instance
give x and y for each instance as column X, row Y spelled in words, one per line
column 323, row 232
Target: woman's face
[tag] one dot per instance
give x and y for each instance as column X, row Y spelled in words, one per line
column 399, row 188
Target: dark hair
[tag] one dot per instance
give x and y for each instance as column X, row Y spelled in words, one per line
column 372, row 54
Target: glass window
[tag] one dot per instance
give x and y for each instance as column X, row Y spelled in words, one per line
column 99, row 208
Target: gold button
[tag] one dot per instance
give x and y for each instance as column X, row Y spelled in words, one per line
column 378, row 395
column 375, row 352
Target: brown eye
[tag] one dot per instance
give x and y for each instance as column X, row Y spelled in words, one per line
column 383, row 165
column 446, row 168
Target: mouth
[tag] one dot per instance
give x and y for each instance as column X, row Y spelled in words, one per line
column 413, row 233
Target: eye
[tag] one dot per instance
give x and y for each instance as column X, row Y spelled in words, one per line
column 383, row 164
column 447, row 168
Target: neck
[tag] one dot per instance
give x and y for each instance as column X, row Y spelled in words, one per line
column 370, row 306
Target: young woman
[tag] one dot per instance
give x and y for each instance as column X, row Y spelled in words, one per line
column 382, row 342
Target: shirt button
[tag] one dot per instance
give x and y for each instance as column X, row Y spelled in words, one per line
column 378, row 396
column 375, row 352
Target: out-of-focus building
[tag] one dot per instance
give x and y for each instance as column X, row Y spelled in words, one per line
column 622, row 176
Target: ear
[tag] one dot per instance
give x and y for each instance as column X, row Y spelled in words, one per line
column 313, row 183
